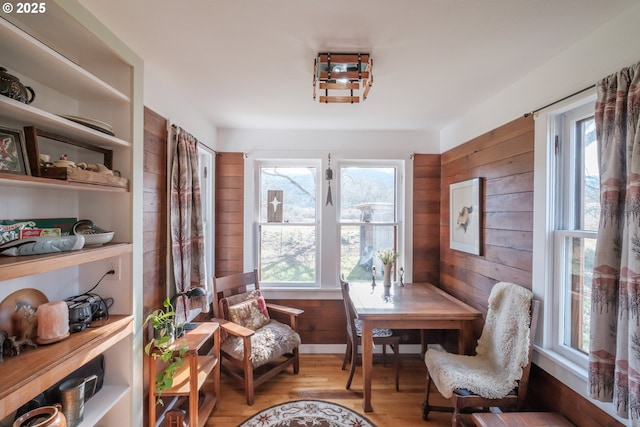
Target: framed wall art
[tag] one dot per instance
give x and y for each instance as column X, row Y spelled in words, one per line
column 13, row 154
column 464, row 216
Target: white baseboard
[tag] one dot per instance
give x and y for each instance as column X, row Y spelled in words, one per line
column 341, row 348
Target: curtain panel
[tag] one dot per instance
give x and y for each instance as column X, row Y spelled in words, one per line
column 614, row 356
column 187, row 229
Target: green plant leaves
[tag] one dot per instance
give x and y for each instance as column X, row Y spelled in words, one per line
column 161, row 347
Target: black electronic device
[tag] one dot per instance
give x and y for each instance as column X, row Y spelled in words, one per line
column 80, row 312
column 83, row 309
column 86, row 307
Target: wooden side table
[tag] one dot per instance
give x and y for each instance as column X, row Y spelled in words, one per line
column 192, row 375
column 520, row 419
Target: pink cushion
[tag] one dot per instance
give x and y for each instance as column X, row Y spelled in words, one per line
column 251, row 313
column 231, row 300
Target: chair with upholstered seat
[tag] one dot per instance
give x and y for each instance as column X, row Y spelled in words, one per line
column 256, row 347
column 384, row 337
column 496, row 377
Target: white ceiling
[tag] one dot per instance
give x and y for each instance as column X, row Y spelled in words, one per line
column 248, row 64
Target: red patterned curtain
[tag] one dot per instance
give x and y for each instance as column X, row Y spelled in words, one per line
column 614, row 355
column 187, row 230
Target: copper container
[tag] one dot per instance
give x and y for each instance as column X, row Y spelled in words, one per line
column 46, row 416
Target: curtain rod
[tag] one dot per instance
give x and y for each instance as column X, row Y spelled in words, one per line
column 559, row 100
column 175, row 127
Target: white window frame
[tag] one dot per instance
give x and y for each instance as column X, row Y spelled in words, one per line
column 399, row 202
column 561, row 317
column 566, row 370
column 301, row 163
column 563, row 125
column 328, row 287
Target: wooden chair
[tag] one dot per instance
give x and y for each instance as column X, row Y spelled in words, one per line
column 383, row 337
column 465, row 401
column 261, row 348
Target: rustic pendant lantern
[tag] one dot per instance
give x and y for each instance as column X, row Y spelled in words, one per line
column 341, row 76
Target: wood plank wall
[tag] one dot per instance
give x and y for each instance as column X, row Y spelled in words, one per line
column 154, row 211
column 503, row 158
column 548, row 394
column 426, row 218
column 323, row 321
column 229, row 214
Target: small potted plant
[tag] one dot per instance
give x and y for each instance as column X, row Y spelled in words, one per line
column 387, row 257
column 163, row 321
column 160, row 346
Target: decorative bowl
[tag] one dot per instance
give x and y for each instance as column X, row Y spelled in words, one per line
column 93, row 235
column 94, row 239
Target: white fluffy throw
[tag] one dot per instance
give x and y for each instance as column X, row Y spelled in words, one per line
column 501, row 353
column 269, row 342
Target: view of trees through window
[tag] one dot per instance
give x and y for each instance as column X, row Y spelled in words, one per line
column 367, row 219
column 588, row 175
column 289, row 224
column 580, row 224
column 288, row 241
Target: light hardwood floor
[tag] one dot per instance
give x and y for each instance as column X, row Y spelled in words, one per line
column 321, row 378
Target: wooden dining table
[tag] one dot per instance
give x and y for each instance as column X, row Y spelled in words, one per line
column 412, row 306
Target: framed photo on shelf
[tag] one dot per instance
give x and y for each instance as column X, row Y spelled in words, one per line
column 464, row 216
column 13, row 153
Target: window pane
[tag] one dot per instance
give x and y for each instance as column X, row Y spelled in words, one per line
column 590, row 177
column 578, row 263
column 578, row 215
column 367, row 194
column 288, row 253
column 298, row 186
column 359, row 244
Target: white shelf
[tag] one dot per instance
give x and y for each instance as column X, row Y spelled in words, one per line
column 25, row 181
column 31, row 116
column 101, row 403
column 45, row 65
column 75, row 65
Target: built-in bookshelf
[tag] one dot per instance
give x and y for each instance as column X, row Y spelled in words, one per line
column 76, row 67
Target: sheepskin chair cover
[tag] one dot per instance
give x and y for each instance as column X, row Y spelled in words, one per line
column 268, row 343
column 501, row 353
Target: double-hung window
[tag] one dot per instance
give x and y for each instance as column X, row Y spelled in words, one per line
column 302, row 241
column 577, row 208
column 368, row 217
column 288, row 226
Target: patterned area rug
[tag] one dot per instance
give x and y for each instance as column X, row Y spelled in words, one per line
column 307, row 413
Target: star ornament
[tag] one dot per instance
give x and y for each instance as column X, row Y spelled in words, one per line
column 275, row 202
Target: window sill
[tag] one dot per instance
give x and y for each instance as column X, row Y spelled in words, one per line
column 572, row 375
column 301, row 293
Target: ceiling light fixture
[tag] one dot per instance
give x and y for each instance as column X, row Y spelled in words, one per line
column 335, row 73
